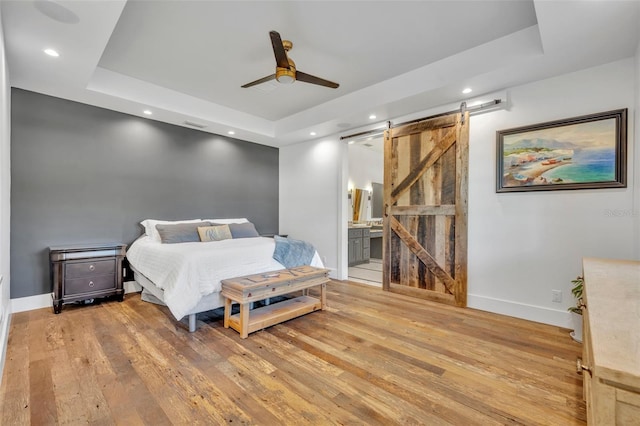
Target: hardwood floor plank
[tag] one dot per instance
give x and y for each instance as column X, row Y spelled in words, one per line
column 201, row 351
column 15, row 390
column 371, row 358
column 256, row 376
column 401, row 380
column 465, row 350
column 401, row 405
column 42, row 401
column 165, row 371
column 488, row 372
column 318, row 386
column 125, row 373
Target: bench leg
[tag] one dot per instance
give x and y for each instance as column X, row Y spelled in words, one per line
column 192, row 323
column 244, row 320
column 227, row 311
column 323, row 296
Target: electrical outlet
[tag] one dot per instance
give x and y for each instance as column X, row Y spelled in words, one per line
column 556, row 296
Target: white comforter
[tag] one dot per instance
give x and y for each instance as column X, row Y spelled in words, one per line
column 188, row 271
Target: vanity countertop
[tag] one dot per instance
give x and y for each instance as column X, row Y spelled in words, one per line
column 364, row 226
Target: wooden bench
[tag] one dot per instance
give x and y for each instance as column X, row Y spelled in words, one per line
column 251, row 288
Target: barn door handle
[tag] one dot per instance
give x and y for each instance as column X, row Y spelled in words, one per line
column 386, row 210
column 580, row 367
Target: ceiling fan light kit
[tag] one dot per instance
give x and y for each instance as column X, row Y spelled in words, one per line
column 286, row 72
column 285, row 75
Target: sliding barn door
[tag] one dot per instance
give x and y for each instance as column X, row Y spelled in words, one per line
column 425, row 209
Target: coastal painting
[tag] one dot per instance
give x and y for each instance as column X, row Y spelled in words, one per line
column 584, row 152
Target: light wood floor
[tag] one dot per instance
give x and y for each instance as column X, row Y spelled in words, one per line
column 371, row 358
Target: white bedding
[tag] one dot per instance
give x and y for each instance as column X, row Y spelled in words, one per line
column 188, row 271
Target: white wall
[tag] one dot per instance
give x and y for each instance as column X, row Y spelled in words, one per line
column 5, row 197
column 311, row 177
column 366, row 166
column 521, row 245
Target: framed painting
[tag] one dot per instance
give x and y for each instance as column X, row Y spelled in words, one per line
column 584, row 152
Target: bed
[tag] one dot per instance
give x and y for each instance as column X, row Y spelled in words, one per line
column 186, row 276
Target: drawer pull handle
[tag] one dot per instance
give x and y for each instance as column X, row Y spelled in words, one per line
column 580, row 367
column 91, row 284
column 92, row 267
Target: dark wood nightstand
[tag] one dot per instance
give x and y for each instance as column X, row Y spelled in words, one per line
column 86, row 271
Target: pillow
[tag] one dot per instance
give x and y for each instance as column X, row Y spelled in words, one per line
column 150, row 226
column 227, row 221
column 243, row 230
column 180, row 232
column 214, row 233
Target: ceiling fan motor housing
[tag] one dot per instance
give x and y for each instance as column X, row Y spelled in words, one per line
column 286, row 75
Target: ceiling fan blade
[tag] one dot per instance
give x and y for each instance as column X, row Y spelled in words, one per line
column 278, row 50
column 260, row 81
column 308, row 78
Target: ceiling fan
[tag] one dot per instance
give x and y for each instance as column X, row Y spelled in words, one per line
column 286, row 71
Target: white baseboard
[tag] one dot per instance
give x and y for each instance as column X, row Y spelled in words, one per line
column 4, row 339
column 30, row 303
column 333, row 273
column 520, row 310
column 40, row 301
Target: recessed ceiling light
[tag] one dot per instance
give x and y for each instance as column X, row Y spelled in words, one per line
column 312, row 133
column 51, row 52
column 146, row 111
column 352, row 142
column 466, row 90
column 372, row 117
column 231, row 132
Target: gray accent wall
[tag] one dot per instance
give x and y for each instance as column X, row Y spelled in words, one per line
column 82, row 174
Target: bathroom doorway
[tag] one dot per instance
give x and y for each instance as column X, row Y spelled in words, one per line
column 366, row 173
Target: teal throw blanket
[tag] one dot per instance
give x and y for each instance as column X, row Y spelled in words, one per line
column 292, row 253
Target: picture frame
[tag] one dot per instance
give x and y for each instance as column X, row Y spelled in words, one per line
column 585, row 152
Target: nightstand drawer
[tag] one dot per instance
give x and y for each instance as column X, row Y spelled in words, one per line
column 89, row 269
column 89, row 284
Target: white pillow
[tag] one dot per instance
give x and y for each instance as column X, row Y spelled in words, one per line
column 227, row 221
column 150, row 226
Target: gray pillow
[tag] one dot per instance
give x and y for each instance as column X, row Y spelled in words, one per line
column 180, row 232
column 243, row 230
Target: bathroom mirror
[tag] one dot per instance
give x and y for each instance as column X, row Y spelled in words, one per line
column 361, row 199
